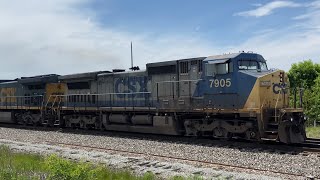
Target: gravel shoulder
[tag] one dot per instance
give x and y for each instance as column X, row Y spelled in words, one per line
column 38, row 141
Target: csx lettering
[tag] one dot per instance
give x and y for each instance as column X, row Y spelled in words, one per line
column 278, row 88
column 135, row 86
column 220, row 83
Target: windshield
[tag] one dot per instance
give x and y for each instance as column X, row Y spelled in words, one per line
column 263, row 66
column 252, row 65
column 248, row 65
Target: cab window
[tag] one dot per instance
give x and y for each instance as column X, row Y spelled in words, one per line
column 248, row 65
column 221, row 68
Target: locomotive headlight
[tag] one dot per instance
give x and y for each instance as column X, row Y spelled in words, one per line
column 291, row 119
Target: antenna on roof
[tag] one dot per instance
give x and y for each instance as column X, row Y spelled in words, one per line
column 133, row 68
column 131, row 56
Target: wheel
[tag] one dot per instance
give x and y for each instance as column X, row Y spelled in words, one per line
column 252, row 134
column 221, row 133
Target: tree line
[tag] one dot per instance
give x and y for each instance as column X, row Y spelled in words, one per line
column 305, row 76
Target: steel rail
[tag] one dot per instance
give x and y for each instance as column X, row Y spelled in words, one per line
column 173, row 158
column 300, row 147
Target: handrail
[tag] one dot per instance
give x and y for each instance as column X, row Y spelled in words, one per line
column 261, row 111
column 65, row 96
column 60, row 99
column 23, row 96
column 53, row 102
column 275, row 108
column 17, row 100
column 47, row 103
column 197, row 80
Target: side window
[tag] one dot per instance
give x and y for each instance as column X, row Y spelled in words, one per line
column 222, row 68
column 210, row 69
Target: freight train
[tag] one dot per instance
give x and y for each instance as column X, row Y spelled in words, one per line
column 223, row 96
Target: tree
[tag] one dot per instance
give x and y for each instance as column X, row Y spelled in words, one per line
column 313, row 111
column 303, row 74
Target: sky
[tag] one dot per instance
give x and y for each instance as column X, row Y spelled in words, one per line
column 73, row 36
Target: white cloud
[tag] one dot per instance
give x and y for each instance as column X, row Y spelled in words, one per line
column 268, row 8
column 55, row 36
column 300, row 41
column 282, row 50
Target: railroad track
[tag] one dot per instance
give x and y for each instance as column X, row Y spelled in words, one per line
column 312, row 145
column 315, row 141
column 205, row 163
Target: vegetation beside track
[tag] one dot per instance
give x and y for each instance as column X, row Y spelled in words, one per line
column 26, row 166
column 304, row 78
column 30, row 166
column 313, row 132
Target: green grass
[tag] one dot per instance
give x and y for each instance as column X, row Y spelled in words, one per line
column 29, row 166
column 24, row 166
column 313, row 132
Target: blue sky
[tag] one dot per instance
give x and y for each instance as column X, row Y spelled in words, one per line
column 70, row 36
column 212, row 20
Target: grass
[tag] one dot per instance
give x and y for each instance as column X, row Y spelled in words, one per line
column 25, row 166
column 22, row 166
column 313, row 132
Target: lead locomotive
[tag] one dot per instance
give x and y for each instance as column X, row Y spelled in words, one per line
column 224, row 96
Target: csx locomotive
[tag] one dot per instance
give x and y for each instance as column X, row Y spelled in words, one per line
column 224, row 96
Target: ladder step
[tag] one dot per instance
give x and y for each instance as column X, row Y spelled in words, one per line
column 56, row 123
column 271, row 137
column 272, row 132
column 273, row 124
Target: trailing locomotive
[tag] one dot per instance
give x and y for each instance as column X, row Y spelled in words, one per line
column 224, row 96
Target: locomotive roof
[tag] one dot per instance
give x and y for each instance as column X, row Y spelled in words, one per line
column 119, row 73
column 2, row 81
column 209, row 58
column 9, row 82
column 226, row 57
column 39, row 79
column 172, row 62
column 88, row 75
column 221, row 57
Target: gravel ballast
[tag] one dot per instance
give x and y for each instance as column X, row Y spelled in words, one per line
column 308, row 166
column 138, row 165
